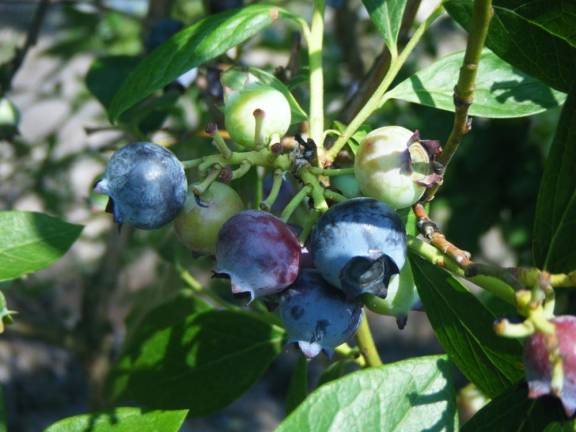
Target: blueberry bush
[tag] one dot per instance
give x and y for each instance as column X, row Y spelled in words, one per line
column 315, row 195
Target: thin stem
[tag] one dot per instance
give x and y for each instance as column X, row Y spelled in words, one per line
column 348, row 352
column 308, row 225
column 366, row 343
column 197, row 287
column 464, row 90
column 334, row 196
column 316, row 74
column 273, row 195
column 242, row 170
column 331, row 171
column 295, row 202
column 218, row 141
column 200, row 188
column 375, row 101
column 31, row 39
column 317, row 191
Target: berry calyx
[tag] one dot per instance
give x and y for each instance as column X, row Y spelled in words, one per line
column 256, row 103
column 537, row 360
column 146, row 185
column 317, row 317
column 394, row 166
column 259, row 253
column 358, row 245
column 199, row 222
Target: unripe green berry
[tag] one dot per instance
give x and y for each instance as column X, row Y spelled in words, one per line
column 389, row 165
column 199, row 222
column 239, row 114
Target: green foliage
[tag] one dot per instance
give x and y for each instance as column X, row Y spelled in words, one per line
column 189, row 48
column 501, row 90
column 524, row 44
column 32, row 241
column 464, row 328
column 298, row 388
column 556, row 17
column 186, row 355
column 387, row 17
column 514, row 411
column 554, row 228
column 408, row 396
column 122, row 420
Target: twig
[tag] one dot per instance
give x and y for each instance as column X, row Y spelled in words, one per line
column 31, row 39
column 431, row 232
column 464, row 90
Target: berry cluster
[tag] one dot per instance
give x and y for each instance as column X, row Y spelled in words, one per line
column 357, row 246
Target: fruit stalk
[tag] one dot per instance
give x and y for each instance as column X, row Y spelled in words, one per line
column 366, row 343
column 464, row 90
column 316, row 75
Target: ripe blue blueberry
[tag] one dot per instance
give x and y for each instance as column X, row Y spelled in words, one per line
column 358, row 245
column 259, row 253
column 317, row 316
column 146, row 184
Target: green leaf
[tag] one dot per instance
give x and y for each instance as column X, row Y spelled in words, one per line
column 106, row 75
column 32, row 241
column 569, row 426
column 336, row 370
column 554, row 224
column 387, row 16
column 191, row 47
column 298, row 388
column 514, row 411
column 185, row 355
column 464, row 329
column 122, row 420
column 501, row 90
column 238, row 77
column 556, row 17
column 411, row 395
column 524, row 44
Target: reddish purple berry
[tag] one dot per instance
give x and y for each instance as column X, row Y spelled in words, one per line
column 258, row 252
column 538, row 367
column 316, row 315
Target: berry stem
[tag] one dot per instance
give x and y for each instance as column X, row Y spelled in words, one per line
column 308, row 225
column 198, row 289
column 295, row 202
column 366, row 343
column 218, row 141
column 464, row 90
column 200, row 188
column 334, row 196
column 315, row 44
column 242, row 170
column 331, row 171
column 317, row 191
column 377, row 98
column 348, row 352
column 276, row 185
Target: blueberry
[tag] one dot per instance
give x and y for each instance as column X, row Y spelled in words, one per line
column 146, row 184
column 317, row 316
column 259, row 253
column 358, row 245
column 538, row 366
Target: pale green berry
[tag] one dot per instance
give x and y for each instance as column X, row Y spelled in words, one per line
column 239, row 114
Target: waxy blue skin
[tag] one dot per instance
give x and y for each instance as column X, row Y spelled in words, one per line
column 360, row 229
column 316, row 315
column 146, row 183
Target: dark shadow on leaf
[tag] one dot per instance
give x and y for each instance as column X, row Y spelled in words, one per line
column 528, row 89
column 446, row 421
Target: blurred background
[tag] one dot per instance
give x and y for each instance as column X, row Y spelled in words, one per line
column 71, row 316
